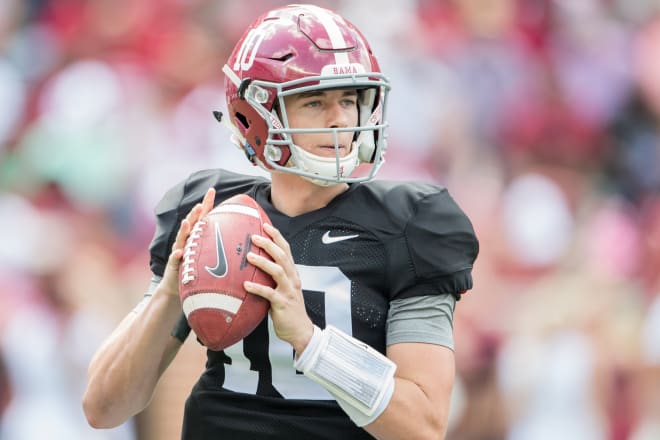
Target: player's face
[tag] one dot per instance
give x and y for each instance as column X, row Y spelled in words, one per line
column 323, row 109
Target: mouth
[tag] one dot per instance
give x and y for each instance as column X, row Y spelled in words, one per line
column 329, row 150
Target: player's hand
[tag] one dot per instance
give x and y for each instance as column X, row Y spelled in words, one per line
column 287, row 306
column 170, row 281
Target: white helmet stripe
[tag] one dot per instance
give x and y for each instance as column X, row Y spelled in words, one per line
column 334, row 33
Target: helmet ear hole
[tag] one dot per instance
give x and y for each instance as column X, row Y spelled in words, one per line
column 240, row 117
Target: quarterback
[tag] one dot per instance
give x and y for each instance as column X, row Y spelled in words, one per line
column 358, row 343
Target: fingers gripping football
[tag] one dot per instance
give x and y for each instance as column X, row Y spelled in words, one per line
column 170, row 277
column 287, row 306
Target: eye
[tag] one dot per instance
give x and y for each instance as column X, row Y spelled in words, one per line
column 349, row 102
column 312, row 104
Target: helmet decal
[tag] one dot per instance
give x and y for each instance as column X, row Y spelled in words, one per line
column 248, row 50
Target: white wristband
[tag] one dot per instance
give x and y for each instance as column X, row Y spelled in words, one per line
column 359, row 377
column 303, row 362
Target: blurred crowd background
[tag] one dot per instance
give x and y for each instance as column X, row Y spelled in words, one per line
column 542, row 117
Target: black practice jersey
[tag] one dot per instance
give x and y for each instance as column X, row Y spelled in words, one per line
column 376, row 242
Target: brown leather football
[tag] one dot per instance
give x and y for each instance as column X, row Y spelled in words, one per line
column 214, row 266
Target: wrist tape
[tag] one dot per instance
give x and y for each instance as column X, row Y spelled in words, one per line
column 359, row 377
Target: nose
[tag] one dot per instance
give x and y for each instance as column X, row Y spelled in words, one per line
column 338, row 115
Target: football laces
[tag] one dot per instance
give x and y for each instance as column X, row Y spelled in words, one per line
column 188, row 270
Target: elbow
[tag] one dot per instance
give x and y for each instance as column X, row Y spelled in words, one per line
column 428, row 428
column 96, row 422
column 93, row 415
column 431, row 433
column 97, row 414
column 434, row 427
column 437, row 428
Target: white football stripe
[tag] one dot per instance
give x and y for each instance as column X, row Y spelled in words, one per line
column 236, row 209
column 336, row 38
column 220, row 301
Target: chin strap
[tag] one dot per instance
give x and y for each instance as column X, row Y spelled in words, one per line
column 324, row 167
column 360, row 378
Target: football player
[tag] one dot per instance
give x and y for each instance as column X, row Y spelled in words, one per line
column 358, row 343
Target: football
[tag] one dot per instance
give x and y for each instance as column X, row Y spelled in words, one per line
column 212, row 271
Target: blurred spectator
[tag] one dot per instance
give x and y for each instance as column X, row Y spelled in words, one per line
column 573, row 334
column 648, row 427
column 633, row 164
column 48, row 330
column 542, row 117
column 13, row 95
column 5, row 390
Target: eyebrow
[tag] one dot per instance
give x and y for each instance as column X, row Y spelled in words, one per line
column 303, row 95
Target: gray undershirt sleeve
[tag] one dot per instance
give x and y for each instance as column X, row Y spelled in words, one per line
column 155, row 279
column 427, row 319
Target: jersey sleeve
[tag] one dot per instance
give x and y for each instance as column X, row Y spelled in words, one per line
column 180, row 199
column 439, row 248
column 168, row 218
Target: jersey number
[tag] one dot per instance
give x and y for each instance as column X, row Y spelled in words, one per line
column 336, row 290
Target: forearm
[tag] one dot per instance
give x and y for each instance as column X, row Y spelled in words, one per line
column 405, row 395
column 410, row 415
column 126, row 369
column 419, row 408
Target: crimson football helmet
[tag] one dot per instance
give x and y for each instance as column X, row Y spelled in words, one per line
column 295, row 49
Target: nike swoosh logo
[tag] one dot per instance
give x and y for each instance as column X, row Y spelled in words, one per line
column 327, row 239
column 220, row 269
